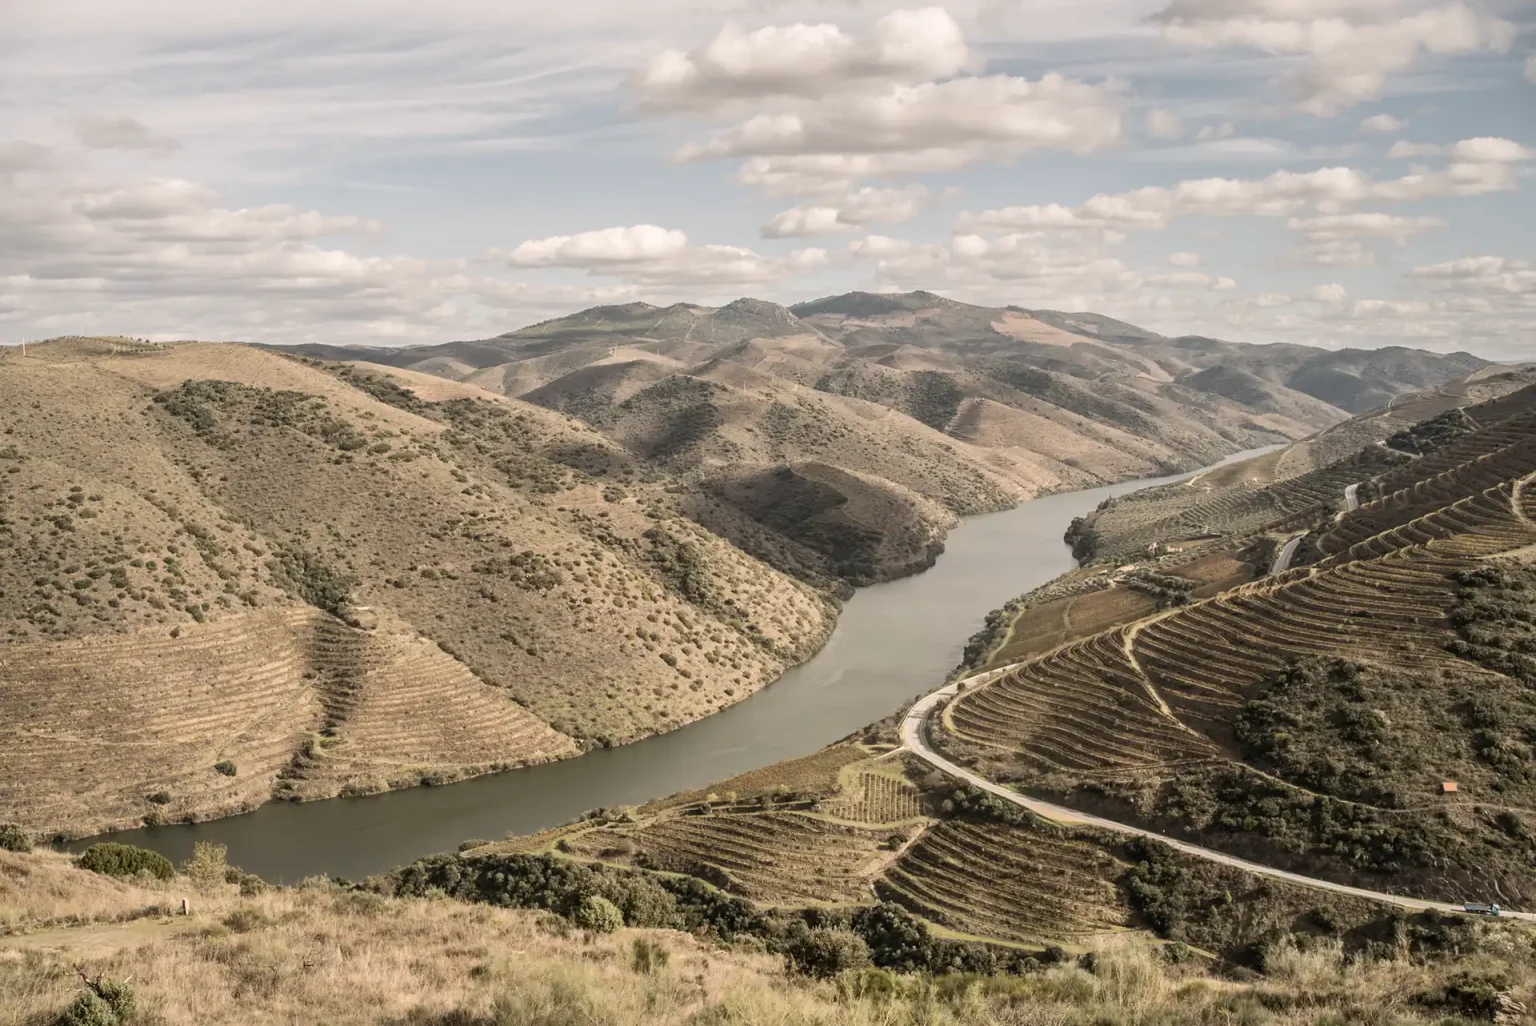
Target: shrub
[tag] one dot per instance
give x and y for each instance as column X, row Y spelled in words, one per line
column 14, row 838
column 105, row 1003
column 825, row 953
column 225, row 767
column 209, row 864
column 648, row 957
column 111, row 859
column 89, row 1010
column 598, row 914
column 244, row 920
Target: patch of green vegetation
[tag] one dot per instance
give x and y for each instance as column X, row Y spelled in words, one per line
column 14, row 838
column 1495, row 616
column 933, row 398
column 112, row 859
column 1428, row 435
column 302, row 573
column 528, row 570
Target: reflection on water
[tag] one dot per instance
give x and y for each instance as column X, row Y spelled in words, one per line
column 893, row 642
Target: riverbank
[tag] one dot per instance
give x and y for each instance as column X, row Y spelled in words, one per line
column 893, row 641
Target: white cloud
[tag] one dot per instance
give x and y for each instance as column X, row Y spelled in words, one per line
column 804, row 60
column 1163, row 124
column 1209, row 132
column 1340, row 239
column 636, row 244
column 1530, row 69
column 998, row 114
column 1489, row 274
column 1352, row 46
column 1191, row 280
column 1491, row 150
column 649, row 255
column 851, row 213
column 1184, row 259
column 831, row 175
column 1383, row 124
column 121, row 133
column 1283, row 193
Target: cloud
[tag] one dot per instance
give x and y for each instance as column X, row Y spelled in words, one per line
column 1482, row 150
column 1162, row 124
column 1352, row 47
column 909, row 46
column 1488, row 274
column 1340, row 239
column 851, row 213
column 121, row 133
column 649, row 255
column 1530, row 69
column 637, row 244
column 1383, row 124
column 1209, row 132
column 1190, row 280
column 1280, row 194
column 833, row 174
column 16, row 157
column 998, row 114
column 1184, row 259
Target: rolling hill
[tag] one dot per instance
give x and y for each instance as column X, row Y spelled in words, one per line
column 228, row 575
column 928, row 408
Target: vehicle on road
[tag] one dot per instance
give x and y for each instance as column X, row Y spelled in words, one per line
column 1479, row 909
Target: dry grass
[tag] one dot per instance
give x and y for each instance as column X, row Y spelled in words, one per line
column 316, row 955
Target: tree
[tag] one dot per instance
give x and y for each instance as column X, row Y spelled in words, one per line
column 825, row 953
column 598, row 914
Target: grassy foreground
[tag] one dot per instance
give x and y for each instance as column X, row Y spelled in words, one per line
column 322, row 954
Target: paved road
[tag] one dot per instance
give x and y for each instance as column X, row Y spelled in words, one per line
column 912, row 738
column 1352, row 497
column 1286, row 554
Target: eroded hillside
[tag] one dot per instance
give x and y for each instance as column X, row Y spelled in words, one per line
column 228, row 575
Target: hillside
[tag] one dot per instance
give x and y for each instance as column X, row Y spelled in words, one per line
column 919, row 408
column 229, row 575
column 78, row 946
column 1308, row 718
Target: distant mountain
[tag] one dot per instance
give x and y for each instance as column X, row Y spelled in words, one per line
column 943, row 408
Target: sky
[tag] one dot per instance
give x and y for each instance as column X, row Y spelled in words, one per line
column 387, row 172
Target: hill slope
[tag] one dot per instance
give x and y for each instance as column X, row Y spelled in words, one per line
column 215, row 556
column 941, row 407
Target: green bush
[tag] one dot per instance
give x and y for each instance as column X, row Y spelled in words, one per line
column 106, row 1003
column 648, row 957
column 598, row 914
column 14, row 838
column 825, row 953
column 89, row 1010
column 111, row 859
column 225, row 767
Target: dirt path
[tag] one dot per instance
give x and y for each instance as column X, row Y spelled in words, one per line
column 101, row 939
column 912, row 736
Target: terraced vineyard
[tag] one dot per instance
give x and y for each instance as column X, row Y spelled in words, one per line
column 1165, row 714
column 1028, row 885
column 872, row 796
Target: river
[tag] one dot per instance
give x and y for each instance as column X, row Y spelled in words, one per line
column 893, row 642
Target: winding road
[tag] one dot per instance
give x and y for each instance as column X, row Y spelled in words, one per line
column 1286, row 554
column 912, row 737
